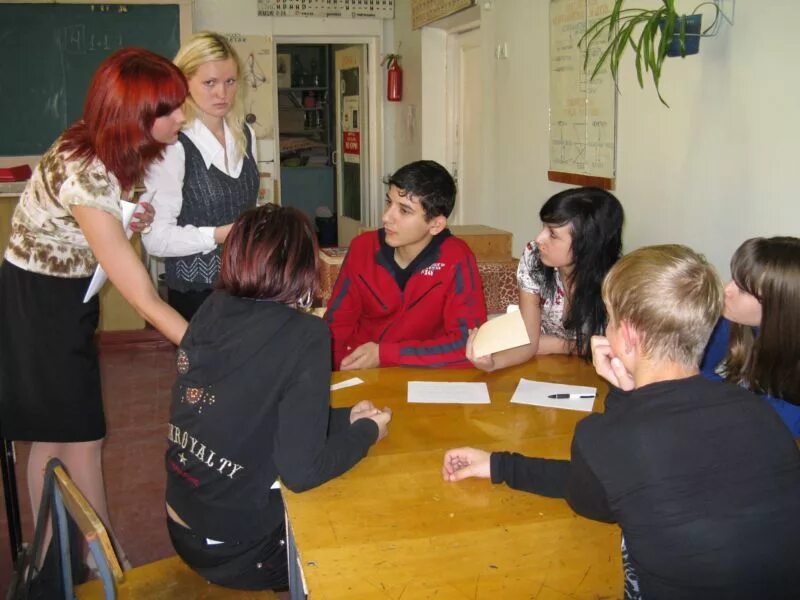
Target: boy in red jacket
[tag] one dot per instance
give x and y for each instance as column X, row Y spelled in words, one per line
column 408, row 293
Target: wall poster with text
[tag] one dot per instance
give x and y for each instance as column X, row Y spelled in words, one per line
column 582, row 111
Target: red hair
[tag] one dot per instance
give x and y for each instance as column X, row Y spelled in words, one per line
column 128, row 92
column 271, row 253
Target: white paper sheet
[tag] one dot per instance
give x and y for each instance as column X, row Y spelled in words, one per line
column 346, row 383
column 501, row 333
column 536, row 393
column 99, row 277
column 439, row 392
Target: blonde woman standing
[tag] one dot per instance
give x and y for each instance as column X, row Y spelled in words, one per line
column 207, row 179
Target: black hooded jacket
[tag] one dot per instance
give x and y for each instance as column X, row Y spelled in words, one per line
column 251, row 403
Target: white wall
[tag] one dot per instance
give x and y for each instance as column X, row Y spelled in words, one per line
column 710, row 171
column 717, row 167
column 403, row 119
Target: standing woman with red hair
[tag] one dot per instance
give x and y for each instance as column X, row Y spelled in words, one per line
column 67, row 221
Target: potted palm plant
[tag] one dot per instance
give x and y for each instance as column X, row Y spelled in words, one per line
column 651, row 34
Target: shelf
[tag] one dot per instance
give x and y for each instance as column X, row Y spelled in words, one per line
column 303, row 89
column 302, row 131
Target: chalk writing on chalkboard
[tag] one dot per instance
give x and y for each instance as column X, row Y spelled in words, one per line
column 49, row 52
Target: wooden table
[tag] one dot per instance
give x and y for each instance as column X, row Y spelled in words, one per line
column 393, row 528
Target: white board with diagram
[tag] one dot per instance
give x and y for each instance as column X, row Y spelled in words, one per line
column 255, row 52
column 582, row 111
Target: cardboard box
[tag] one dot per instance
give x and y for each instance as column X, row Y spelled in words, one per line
column 487, row 243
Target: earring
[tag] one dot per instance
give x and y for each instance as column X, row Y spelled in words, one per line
column 305, row 301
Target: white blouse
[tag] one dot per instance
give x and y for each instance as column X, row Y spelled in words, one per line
column 164, row 190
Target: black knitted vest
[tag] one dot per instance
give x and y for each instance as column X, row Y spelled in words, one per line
column 210, row 199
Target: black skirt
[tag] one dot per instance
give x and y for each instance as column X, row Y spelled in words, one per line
column 49, row 372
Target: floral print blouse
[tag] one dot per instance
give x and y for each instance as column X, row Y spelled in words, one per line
column 45, row 237
column 530, row 278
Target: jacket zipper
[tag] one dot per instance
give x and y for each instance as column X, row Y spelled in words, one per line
column 371, row 291
column 409, row 307
column 428, row 291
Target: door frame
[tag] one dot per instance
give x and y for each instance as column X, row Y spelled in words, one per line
column 437, row 104
column 453, row 114
column 374, row 81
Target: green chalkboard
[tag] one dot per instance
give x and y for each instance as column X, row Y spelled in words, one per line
column 49, row 52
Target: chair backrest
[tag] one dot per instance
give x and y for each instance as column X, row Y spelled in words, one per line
column 48, row 571
column 85, row 517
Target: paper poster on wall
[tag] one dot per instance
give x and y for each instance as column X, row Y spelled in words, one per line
column 382, row 9
column 255, row 52
column 582, row 111
column 351, row 131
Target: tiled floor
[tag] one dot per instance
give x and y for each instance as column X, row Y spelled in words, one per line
column 136, row 391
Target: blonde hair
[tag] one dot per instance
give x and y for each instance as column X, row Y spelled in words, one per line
column 670, row 295
column 205, row 47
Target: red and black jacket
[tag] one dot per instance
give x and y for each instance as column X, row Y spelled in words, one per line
column 420, row 316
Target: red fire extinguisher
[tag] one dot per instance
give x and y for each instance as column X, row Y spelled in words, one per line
column 394, row 82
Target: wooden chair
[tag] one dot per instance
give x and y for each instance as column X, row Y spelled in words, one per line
column 168, row 578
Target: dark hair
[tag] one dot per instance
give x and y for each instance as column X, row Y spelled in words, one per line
column 128, row 92
column 430, row 183
column 769, row 363
column 271, row 253
column 595, row 217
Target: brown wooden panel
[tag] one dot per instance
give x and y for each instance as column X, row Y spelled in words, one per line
column 605, row 183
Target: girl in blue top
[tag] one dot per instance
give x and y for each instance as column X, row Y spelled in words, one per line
column 757, row 342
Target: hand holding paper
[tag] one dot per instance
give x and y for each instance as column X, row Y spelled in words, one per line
column 501, row 333
column 99, row 277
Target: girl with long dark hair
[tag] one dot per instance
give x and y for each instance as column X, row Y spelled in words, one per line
column 560, row 275
column 756, row 343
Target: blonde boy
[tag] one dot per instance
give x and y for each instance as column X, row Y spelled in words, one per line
column 702, row 476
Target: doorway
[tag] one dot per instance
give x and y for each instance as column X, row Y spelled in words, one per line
column 304, row 73
column 351, row 154
column 327, row 134
column 465, row 137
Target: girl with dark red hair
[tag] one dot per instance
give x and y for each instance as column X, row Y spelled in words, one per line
column 67, row 221
column 251, row 405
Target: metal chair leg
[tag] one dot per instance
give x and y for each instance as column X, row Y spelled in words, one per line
column 12, row 500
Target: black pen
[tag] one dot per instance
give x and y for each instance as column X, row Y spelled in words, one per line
column 570, row 396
